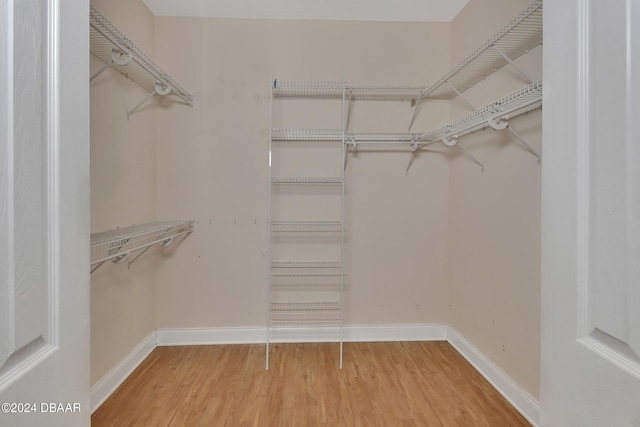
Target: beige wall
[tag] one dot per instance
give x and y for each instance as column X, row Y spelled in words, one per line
column 494, row 292
column 122, row 193
column 212, row 167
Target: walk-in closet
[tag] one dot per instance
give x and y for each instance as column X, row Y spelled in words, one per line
column 317, row 181
column 320, row 213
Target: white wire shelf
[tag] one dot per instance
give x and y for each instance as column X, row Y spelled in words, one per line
column 306, row 270
column 336, row 135
column 112, row 240
column 306, row 180
column 305, row 264
column 300, row 314
column 519, row 102
column 336, row 90
column 306, row 226
column 306, row 135
column 522, row 34
column 277, row 275
column 113, row 48
column 383, row 93
column 308, row 89
column 398, row 137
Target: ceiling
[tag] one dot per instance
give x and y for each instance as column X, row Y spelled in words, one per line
column 340, row 10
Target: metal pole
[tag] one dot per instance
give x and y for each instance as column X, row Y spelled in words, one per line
column 97, row 73
column 518, row 69
column 519, row 138
column 344, row 154
column 268, row 310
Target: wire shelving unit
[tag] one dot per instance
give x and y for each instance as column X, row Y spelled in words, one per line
column 518, row 37
column 324, row 278
column 112, row 47
column 117, row 245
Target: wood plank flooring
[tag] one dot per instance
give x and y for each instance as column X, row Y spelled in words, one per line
column 382, row 384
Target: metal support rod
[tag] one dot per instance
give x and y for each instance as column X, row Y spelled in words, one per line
column 411, row 159
column 100, row 71
column 344, row 161
column 349, row 112
column 118, row 255
column 131, row 261
column 151, row 95
column 523, row 142
column 513, row 64
column 471, row 155
column 97, row 267
column 268, row 310
column 473, row 108
column 344, row 153
column 415, row 111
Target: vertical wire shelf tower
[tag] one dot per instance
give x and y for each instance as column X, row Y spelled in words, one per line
column 308, row 315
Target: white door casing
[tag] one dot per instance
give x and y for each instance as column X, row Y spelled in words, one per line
column 591, row 214
column 44, row 221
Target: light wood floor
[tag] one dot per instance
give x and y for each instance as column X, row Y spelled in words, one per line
column 382, row 384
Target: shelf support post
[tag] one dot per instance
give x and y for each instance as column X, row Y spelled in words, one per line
column 415, row 110
column 346, row 128
column 473, row 108
column 513, row 64
column 523, row 142
column 160, row 89
column 471, row 156
column 97, row 266
column 100, row 71
column 151, row 95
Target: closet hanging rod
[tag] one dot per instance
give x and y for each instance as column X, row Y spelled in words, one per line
column 118, row 41
column 519, row 102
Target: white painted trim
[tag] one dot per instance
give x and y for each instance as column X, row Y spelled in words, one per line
column 53, row 170
column 116, row 376
column 205, row 336
column 252, row 335
column 516, row 395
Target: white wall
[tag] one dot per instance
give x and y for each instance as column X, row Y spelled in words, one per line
column 212, row 167
column 122, row 193
column 494, row 292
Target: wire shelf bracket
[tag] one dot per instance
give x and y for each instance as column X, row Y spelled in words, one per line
column 115, row 50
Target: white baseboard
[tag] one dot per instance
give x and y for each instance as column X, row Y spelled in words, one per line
column 209, row 336
column 358, row 333
column 116, row 376
column 516, row 395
